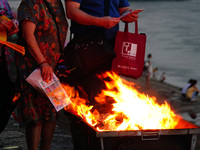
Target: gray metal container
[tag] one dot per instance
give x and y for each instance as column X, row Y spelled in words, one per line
column 89, row 138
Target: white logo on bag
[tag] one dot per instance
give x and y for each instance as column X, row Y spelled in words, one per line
column 129, row 49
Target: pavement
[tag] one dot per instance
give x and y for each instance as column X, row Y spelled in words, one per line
column 13, row 137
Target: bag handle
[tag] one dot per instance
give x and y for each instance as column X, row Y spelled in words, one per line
column 106, row 7
column 136, row 27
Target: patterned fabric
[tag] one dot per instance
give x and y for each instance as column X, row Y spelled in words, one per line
column 5, row 9
column 36, row 107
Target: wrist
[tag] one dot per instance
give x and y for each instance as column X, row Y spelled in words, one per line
column 98, row 21
column 43, row 62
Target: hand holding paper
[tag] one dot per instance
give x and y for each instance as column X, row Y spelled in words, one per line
column 130, row 16
column 53, row 89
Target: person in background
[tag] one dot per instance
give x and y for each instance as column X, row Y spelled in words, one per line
column 87, row 16
column 185, row 87
column 38, row 34
column 7, row 84
column 155, row 73
column 162, row 78
column 148, row 72
column 192, row 91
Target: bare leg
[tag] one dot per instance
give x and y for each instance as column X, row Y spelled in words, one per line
column 33, row 133
column 48, row 129
column 147, row 84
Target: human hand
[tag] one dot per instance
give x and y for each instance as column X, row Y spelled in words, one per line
column 3, row 24
column 13, row 28
column 9, row 26
column 109, row 22
column 132, row 16
column 47, row 72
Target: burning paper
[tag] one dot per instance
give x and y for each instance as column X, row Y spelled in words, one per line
column 130, row 109
column 53, row 89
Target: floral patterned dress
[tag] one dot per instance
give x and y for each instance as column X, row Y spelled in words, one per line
column 5, row 9
column 35, row 107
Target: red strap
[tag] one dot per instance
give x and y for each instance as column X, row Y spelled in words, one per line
column 136, row 27
column 126, row 27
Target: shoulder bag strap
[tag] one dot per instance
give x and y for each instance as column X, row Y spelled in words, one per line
column 106, row 7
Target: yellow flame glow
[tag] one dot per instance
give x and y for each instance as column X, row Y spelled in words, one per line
column 131, row 110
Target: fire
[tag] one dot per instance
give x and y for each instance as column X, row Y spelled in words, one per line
column 131, row 110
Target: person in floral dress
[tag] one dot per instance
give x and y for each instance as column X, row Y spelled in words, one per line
column 38, row 33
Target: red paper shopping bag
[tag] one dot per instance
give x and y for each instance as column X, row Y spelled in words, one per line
column 130, row 52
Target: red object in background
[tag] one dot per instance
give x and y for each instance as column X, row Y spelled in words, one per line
column 130, row 52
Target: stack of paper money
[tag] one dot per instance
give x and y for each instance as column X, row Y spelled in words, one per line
column 53, row 89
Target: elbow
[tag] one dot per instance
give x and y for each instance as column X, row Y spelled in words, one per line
column 70, row 12
column 24, row 35
column 71, row 9
column 69, row 16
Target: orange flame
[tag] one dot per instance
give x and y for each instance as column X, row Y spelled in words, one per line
column 131, row 110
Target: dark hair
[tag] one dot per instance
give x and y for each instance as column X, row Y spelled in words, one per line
column 149, row 55
column 191, row 80
column 193, row 83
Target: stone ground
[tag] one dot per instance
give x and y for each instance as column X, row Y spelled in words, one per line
column 13, row 137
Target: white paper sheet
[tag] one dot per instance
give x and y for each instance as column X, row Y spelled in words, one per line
column 53, row 89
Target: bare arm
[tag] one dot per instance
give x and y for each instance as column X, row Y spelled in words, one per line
column 28, row 29
column 196, row 89
column 77, row 15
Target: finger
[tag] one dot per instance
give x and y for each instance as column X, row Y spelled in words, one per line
column 130, row 18
column 51, row 76
column 137, row 11
column 133, row 15
column 116, row 19
column 126, row 19
column 10, row 25
column 13, row 32
column 44, row 75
